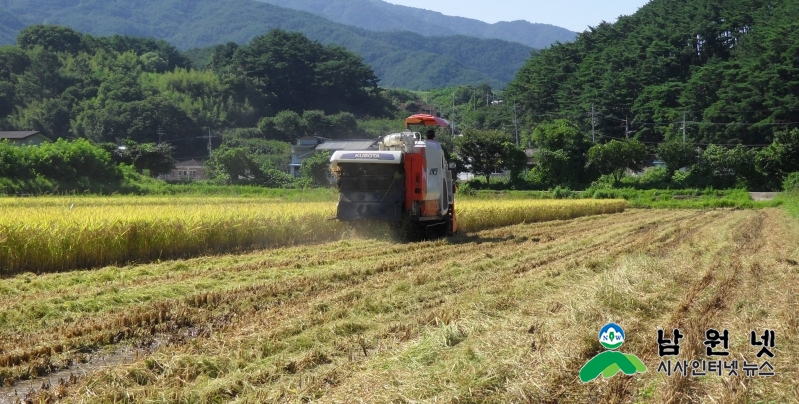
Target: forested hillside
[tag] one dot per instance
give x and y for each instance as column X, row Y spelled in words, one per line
column 377, row 15
column 9, row 26
column 730, row 68
column 108, row 89
column 400, row 59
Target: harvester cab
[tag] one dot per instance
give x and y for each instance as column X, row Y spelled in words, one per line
column 407, row 182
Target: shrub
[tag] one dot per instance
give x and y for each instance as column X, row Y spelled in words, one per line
column 652, row 178
column 466, row 189
column 562, row 193
column 791, row 182
column 63, row 166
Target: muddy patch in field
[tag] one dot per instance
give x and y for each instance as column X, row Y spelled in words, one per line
column 55, row 384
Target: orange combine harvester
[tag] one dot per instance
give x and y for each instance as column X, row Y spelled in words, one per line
column 407, row 181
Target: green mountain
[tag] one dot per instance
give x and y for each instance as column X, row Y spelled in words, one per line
column 728, row 68
column 9, row 26
column 377, row 15
column 400, row 59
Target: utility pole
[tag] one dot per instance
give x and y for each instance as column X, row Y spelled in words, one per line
column 626, row 128
column 593, row 125
column 515, row 123
column 683, row 128
column 209, row 142
column 453, row 114
column 160, row 134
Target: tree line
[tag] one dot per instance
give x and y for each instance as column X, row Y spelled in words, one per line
column 69, row 85
column 723, row 74
column 141, row 102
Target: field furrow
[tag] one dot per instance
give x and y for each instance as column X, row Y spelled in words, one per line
column 503, row 315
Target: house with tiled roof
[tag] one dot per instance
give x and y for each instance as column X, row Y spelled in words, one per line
column 21, row 138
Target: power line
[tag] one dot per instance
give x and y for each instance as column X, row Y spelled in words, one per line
column 694, row 143
column 190, row 138
column 613, row 118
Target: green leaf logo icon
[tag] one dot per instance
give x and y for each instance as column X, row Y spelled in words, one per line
column 611, row 362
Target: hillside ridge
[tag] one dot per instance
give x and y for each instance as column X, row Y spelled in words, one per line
column 378, row 15
column 395, row 56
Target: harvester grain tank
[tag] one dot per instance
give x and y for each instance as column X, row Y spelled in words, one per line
column 407, row 182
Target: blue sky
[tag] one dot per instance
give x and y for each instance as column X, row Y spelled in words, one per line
column 575, row 15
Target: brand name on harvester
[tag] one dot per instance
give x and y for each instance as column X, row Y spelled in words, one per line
column 369, row 156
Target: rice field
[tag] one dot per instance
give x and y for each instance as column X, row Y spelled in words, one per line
column 502, row 315
column 54, row 234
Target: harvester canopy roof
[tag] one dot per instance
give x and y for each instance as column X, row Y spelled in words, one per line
column 426, row 120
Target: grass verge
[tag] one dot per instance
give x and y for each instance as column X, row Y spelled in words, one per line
column 657, row 198
column 790, row 202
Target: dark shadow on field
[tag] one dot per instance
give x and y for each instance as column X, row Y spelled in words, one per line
column 477, row 239
column 392, row 233
column 371, row 230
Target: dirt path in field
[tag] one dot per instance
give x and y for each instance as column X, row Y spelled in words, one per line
column 506, row 315
column 763, row 196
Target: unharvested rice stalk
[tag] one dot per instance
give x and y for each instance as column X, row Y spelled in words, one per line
column 481, row 215
column 58, row 234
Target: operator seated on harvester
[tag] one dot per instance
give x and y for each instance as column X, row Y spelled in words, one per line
column 431, row 134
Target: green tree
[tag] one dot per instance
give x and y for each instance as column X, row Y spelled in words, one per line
column 234, row 166
column 13, row 62
column 43, row 78
column 316, row 169
column 615, row 157
column 222, row 56
column 300, row 74
column 781, row 157
column 138, row 46
column 155, row 158
column 515, row 161
column 560, row 135
column 485, row 151
column 561, row 152
column 343, row 125
column 676, row 155
column 153, row 62
column 315, row 122
column 721, row 167
column 73, row 165
column 552, row 167
column 53, row 38
column 50, row 116
column 286, row 126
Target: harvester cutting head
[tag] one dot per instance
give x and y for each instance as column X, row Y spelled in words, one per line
column 407, row 182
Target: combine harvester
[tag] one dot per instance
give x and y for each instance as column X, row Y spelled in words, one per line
column 407, row 182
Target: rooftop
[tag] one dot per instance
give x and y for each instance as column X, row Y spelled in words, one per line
column 190, row 163
column 360, row 144
column 21, row 134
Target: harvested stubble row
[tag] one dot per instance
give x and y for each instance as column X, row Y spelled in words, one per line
column 58, row 234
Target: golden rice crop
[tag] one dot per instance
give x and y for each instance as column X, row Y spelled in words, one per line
column 477, row 215
column 56, row 234
column 53, row 238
